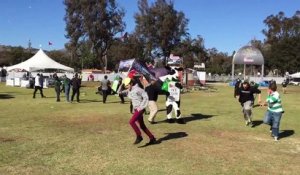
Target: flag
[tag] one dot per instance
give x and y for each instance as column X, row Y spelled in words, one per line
column 142, row 69
column 124, row 37
column 49, row 43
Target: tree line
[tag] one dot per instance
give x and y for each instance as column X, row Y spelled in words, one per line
column 93, row 26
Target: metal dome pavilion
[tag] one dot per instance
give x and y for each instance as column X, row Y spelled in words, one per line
column 248, row 55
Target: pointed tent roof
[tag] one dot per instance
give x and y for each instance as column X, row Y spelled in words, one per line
column 40, row 61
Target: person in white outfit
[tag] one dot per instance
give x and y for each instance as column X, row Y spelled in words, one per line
column 38, row 86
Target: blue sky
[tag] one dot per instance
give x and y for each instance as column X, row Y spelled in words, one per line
column 226, row 25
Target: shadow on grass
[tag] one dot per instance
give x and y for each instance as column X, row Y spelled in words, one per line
column 286, row 133
column 169, row 136
column 89, row 101
column 190, row 118
column 7, row 139
column 256, row 105
column 6, row 96
column 197, row 116
column 256, row 123
column 160, row 110
column 113, row 102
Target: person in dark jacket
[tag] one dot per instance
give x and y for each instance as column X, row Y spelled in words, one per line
column 152, row 92
column 284, row 85
column 57, row 84
column 66, row 87
column 236, row 87
column 120, row 88
column 76, row 83
column 246, row 98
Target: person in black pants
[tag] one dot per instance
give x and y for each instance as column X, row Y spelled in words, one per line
column 120, row 88
column 105, row 85
column 57, row 84
column 38, row 86
column 76, row 83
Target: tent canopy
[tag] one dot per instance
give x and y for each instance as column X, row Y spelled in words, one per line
column 295, row 75
column 40, row 61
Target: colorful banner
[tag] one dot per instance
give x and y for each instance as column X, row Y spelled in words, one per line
column 125, row 65
column 115, row 84
column 142, row 69
column 174, row 60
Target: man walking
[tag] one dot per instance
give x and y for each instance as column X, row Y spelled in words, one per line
column 76, row 83
column 246, row 98
column 38, row 85
column 152, row 92
column 105, row 83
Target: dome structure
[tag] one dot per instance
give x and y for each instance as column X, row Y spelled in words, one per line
column 248, row 55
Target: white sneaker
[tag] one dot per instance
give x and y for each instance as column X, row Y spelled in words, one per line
column 276, row 139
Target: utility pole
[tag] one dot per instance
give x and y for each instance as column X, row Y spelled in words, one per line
column 29, row 46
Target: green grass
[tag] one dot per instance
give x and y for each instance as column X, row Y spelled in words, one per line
column 41, row 136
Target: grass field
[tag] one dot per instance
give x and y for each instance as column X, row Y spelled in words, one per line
column 42, row 136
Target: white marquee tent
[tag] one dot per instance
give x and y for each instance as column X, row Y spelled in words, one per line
column 295, row 75
column 38, row 62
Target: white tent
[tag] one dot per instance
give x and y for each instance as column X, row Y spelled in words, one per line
column 40, row 61
column 295, row 75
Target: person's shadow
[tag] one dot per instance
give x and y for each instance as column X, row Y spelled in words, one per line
column 197, row 116
column 256, row 105
column 168, row 136
column 286, row 133
column 6, row 96
column 256, row 123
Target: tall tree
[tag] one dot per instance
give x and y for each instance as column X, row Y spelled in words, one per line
column 125, row 48
column 95, row 21
column 218, row 62
column 160, row 26
column 192, row 50
column 74, row 29
column 283, row 37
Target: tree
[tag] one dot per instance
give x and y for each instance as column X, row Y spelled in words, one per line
column 18, row 54
column 218, row 62
column 160, row 27
column 283, row 37
column 125, row 48
column 95, row 22
column 74, row 29
column 60, row 56
column 192, row 50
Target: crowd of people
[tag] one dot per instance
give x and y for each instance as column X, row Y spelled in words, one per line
column 142, row 96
